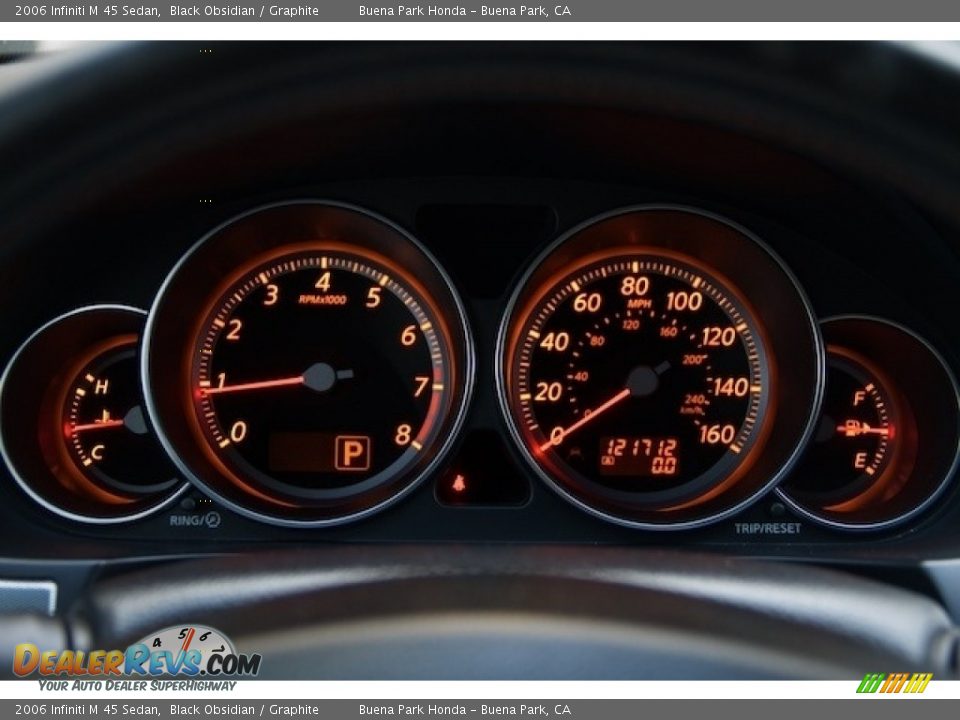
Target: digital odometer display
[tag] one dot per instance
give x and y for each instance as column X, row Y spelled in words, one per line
column 641, row 374
column 639, row 456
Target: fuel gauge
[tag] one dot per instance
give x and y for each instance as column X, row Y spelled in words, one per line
column 887, row 441
column 856, row 439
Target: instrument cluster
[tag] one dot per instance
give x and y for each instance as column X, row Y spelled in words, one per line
column 310, row 363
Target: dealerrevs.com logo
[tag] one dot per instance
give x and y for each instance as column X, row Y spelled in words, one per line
column 181, row 650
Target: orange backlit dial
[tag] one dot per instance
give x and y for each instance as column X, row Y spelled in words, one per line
column 105, row 431
column 857, row 437
column 886, row 441
column 638, row 375
column 307, row 363
column 76, row 436
column 320, row 371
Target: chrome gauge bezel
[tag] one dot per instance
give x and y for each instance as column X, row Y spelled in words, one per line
column 803, row 315
column 942, row 483
column 462, row 344
column 166, row 498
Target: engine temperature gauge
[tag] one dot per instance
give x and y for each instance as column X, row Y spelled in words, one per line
column 106, row 433
column 73, row 430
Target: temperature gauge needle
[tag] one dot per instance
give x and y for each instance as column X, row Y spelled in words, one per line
column 94, row 426
column 132, row 421
column 587, row 417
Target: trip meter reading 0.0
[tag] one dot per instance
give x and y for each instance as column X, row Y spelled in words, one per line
column 642, row 374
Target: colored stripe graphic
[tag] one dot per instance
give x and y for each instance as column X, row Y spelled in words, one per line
column 913, row 683
column 871, row 682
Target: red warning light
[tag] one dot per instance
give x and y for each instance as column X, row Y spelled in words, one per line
column 459, row 484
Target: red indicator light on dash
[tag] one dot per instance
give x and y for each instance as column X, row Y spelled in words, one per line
column 459, row 484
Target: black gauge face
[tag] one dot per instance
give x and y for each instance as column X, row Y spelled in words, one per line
column 106, row 433
column 857, row 433
column 641, row 374
column 75, row 433
column 886, row 443
column 321, row 373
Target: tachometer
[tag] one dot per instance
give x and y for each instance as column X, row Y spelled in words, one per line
column 321, row 370
column 639, row 379
column 325, row 374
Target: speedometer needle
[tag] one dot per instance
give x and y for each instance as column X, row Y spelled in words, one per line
column 587, row 417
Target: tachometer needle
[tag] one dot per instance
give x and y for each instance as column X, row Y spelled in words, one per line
column 587, row 417
column 319, row 377
column 262, row 385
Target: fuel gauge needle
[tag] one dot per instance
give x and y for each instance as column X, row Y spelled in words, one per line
column 855, row 428
column 587, row 417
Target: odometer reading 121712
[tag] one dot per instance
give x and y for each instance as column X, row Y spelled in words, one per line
column 641, row 374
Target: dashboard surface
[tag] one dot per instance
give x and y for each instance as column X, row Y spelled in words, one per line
column 467, row 199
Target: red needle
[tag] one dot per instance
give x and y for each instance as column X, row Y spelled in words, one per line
column 187, row 639
column 283, row 382
column 853, row 431
column 587, row 417
column 95, row 425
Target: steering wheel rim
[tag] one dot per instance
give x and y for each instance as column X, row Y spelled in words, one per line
column 528, row 613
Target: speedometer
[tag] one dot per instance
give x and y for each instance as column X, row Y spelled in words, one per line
column 643, row 374
column 638, row 376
